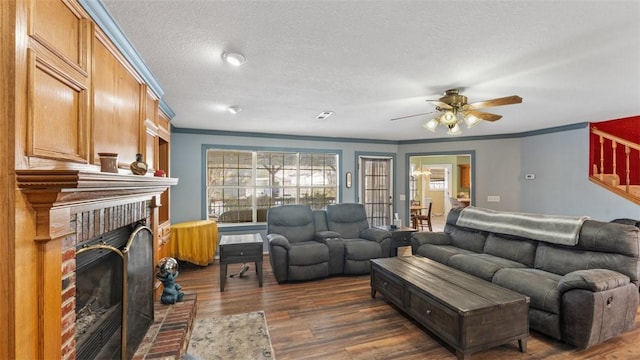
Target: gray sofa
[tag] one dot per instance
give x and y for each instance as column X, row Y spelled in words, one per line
column 307, row 244
column 582, row 293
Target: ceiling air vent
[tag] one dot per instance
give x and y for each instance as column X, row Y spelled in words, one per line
column 323, row 115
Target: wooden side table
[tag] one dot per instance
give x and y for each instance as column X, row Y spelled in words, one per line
column 243, row 248
column 399, row 237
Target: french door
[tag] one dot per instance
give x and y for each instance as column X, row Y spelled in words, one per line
column 376, row 188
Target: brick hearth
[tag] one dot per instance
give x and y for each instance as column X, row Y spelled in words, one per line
column 168, row 337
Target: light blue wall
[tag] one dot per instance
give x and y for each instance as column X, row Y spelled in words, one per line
column 186, row 164
column 495, row 171
column 560, row 163
column 558, row 159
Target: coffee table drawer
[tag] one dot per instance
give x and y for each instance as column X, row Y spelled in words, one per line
column 438, row 318
column 390, row 287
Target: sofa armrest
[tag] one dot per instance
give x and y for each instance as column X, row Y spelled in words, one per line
column 593, row 279
column 427, row 237
column 278, row 240
column 375, row 234
column 326, row 234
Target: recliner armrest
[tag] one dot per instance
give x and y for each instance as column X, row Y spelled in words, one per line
column 278, row 240
column 593, row 279
column 375, row 234
column 327, row 234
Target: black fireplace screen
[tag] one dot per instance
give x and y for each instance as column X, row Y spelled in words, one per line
column 100, row 263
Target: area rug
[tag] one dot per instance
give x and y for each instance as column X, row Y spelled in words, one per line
column 237, row 337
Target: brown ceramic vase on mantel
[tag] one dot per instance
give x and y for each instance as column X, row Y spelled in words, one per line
column 108, row 162
column 138, row 167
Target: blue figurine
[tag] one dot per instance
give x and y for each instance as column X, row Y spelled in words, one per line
column 167, row 273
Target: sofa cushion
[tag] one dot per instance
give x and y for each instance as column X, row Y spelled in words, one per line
column 347, row 219
column 467, row 239
column 295, row 222
column 563, row 260
column 308, row 253
column 483, row 266
column 540, row 286
column 441, row 253
column 520, row 250
column 471, row 264
column 357, row 255
column 359, row 249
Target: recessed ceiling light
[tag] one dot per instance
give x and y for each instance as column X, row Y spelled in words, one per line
column 234, row 109
column 235, row 59
column 323, row 115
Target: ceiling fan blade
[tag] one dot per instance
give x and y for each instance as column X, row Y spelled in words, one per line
column 440, row 104
column 414, row 115
column 483, row 115
column 508, row 100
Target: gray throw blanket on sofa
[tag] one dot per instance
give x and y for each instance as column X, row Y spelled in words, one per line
column 563, row 230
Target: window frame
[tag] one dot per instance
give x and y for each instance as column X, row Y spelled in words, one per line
column 254, row 151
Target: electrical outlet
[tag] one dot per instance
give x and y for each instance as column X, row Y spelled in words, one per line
column 493, row 198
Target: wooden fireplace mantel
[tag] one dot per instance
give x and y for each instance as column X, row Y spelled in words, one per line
column 91, row 181
column 52, row 193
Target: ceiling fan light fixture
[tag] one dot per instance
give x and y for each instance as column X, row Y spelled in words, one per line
column 454, row 129
column 431, row 125
column 233, row 58
column 448, row 118
column 471, row 121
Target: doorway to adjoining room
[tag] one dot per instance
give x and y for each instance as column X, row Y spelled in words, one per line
column 443, row 180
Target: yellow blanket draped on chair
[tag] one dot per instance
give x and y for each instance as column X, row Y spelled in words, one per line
column 194, row 241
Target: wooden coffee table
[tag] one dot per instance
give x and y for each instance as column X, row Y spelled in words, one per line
column 245, row 248
column 468, row 313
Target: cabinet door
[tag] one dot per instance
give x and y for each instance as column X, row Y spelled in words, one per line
column 465, row 175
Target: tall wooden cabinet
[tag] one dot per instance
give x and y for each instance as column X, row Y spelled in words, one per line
column 67, row 93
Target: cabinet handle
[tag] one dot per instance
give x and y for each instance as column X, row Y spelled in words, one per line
column 385, row 284
column 241, row 253
column 428, row 312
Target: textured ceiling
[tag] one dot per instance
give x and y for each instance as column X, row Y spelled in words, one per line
column 370, row 61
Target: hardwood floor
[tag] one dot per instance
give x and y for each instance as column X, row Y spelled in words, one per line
column 336, row 318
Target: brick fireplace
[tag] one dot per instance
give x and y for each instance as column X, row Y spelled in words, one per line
column 72, row 207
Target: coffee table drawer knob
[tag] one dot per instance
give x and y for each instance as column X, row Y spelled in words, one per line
column 428, row 312
column 241, row 252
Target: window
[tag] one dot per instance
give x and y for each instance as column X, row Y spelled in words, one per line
column 436, row 181
column 242, row 185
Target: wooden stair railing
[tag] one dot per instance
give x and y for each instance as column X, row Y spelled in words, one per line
column 612, row 180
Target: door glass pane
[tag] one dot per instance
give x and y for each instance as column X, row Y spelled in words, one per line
column 376, row 192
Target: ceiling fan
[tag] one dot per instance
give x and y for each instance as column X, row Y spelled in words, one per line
column 455, row 109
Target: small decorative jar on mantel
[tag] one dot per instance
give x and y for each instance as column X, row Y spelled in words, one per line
column 108, row 162
column 138, row 167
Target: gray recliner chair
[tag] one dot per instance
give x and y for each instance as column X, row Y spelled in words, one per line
column 361, row 242
column 294, row 253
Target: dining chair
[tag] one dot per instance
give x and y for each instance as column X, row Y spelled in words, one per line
column 423, row 219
